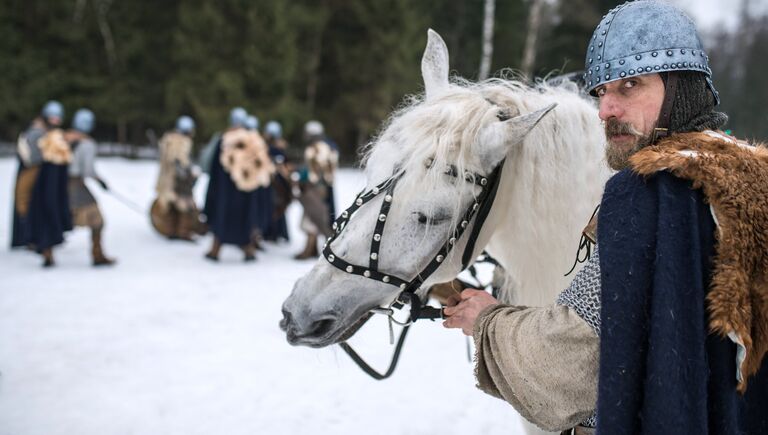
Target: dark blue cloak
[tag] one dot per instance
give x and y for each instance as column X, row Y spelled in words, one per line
column 232, row 215
column 661, row 372
column 49, row 215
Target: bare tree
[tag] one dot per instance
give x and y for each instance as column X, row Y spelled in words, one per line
column 488, row 21
column 534, row 23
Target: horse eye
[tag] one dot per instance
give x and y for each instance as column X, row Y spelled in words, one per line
column 432, row 220
column 503, row 115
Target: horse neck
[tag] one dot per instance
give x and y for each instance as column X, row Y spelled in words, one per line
column 546, row 197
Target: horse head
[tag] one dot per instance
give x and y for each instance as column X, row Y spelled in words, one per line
column 425, row 173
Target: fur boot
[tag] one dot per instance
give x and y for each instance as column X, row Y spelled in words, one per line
column 99, row 259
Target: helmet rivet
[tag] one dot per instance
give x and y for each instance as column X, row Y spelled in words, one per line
column 331, row 258
column 607, row 65
column 657, row 68
column 590, row 83
column 665, row 66
column 622, row 62
column 654, row 54
column 603, row 32
column 475, row 206
column 682, row 51
column 452, row 240
column 335, row 225
column 388, row 198
column 685, row 64
column 592, row 48
column 599, row 44
column 374, row 256
column 375, row 190
column 631, row 71
column 439, row 258
column 599, row 57
column 597, row 68
column 377, row 237
column 385, row 278
column 638, row 57
column 483, row 181
column 590, row 60
column 382, row 217
column 693, row 52
column 669, row 53
column 367, row 274
column 344, row 214
column 359, row 201
column 464, row 224
column 648, row 69
column 607, row 76
column 349, row 269
column 402, row 286
column 623, row 74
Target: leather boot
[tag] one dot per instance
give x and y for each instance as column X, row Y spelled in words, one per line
column 213, row 254
column 249, row 252
column 99, row 259
column 48, row 257
column 310, row 251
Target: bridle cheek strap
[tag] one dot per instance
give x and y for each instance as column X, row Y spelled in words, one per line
column 479, row 209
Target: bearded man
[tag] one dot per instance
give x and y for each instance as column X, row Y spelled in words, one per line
column 665, row 329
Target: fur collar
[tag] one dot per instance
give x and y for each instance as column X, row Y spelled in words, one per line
column 734, row 178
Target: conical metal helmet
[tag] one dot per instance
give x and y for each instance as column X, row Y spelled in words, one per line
column 643, row 37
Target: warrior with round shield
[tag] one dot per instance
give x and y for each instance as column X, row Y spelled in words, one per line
column 174, row 213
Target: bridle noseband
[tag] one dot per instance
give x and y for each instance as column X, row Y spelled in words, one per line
column 480, row 207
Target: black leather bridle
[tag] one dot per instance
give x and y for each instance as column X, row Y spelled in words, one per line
column 480, row 207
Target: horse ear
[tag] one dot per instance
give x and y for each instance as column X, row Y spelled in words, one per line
column 521, row 125
column 509, row 133
column 434, row 65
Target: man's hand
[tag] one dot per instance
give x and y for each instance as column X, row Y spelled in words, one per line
column 462, row 310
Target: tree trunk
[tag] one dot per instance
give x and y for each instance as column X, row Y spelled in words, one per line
column 488, row 21
column 534, row 23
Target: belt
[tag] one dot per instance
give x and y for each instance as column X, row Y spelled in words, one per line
column 579, row 430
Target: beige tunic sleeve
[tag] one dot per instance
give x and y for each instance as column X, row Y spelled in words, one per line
column 543, row 361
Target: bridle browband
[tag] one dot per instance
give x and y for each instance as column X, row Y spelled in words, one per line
column 480, row 208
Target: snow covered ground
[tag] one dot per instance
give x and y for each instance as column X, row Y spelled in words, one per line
column 168, row 343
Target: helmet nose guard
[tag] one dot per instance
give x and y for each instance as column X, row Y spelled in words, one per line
column 642, row 37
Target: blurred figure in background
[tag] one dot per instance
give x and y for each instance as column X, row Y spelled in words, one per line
column 30, row 158
column 41, row 206
column 251, row 123
column 174, row 213
column 85, row 210
column 281, row 185
column 237, row 118
column 240, row 166
column 316, row 187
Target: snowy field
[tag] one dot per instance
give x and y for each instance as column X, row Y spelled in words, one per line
column 169, row 343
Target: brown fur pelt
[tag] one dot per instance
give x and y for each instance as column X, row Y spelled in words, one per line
column 174, row 147
column 245, row 156
column 55, row 148
column 734, row 178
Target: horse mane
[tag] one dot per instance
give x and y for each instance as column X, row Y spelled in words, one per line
column 444, row 130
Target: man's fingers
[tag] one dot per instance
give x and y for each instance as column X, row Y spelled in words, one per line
column 470, row 292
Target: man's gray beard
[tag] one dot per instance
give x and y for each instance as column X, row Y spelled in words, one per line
column 618, row 159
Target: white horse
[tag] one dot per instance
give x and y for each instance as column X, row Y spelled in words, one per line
column 550, row 184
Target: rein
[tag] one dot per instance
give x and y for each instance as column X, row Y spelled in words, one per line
column 479, row 209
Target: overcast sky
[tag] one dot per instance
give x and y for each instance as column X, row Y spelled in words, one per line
column 711, row 14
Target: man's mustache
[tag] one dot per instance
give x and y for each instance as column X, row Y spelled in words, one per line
column 614, row 127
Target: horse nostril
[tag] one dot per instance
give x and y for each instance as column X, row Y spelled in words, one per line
column 321, row 327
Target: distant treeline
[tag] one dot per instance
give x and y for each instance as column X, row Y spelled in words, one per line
column 139, row 64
